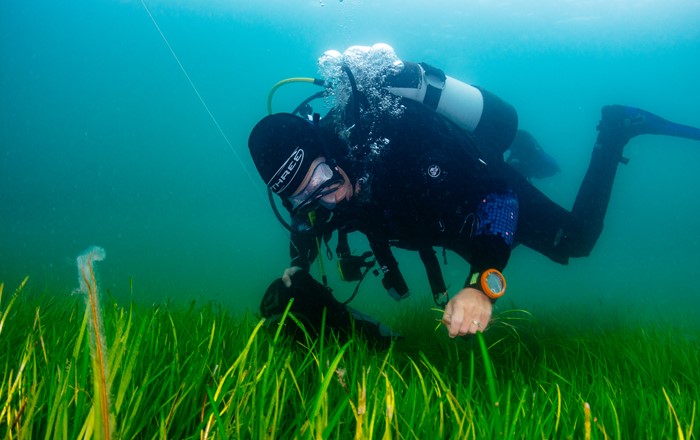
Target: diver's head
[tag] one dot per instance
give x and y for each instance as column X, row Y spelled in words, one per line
column 283, row 146
column 289, row 156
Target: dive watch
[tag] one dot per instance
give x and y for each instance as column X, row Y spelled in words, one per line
column 491, row 282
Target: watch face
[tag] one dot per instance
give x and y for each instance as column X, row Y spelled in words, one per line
column 494, row 282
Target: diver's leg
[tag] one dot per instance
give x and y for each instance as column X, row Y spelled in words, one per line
column 529, row 158
column 559, row 234
column 594, row 194
column 617, row 126
column 541, row 222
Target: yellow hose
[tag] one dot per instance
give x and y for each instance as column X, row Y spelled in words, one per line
column 280, row 84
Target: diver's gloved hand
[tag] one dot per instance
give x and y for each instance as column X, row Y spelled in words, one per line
column 310, row 299
column 350, row 266
column 315, row 306
column 394, row 284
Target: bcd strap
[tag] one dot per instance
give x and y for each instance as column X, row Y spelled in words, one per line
column 326, row 239
column 435, row 80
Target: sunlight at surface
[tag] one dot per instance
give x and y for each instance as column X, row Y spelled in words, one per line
column 583, row 23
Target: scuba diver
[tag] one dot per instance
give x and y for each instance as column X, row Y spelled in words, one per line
column 413, row 158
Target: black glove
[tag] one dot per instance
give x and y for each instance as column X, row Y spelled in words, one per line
column 310, row 300
column 350, row 267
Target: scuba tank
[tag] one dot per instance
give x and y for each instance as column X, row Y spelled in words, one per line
column 493, row 121
column 459, row 102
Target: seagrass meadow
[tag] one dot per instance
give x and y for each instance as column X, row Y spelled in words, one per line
column 126, row 124
column 191, row 370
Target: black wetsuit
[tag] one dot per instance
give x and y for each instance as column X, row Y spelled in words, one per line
column 427, row 184
column 430, row 184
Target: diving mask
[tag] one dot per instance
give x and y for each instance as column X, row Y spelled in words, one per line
column 324, row 180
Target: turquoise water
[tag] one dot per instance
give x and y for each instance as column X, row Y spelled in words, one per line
column 104, row 141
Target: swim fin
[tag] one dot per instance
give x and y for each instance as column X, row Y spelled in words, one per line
column 529, row 159
column 631, row 122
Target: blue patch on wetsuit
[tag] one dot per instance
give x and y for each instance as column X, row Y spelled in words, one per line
column 497, row 214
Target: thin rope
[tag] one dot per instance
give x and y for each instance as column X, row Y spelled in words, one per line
column 199, row 96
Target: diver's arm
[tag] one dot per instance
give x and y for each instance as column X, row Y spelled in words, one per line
column 302, row 249
column 470, row 309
